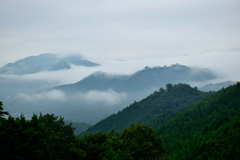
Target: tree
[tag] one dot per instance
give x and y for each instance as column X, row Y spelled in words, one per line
column 25, row 139
column 43, row 137
column 2, row 113
column 169, row 87
column 61, row 135
column 143, row 142
column 161, row 90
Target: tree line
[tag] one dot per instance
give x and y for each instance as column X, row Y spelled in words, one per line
column 208, row 129
column 48, row 137
column 174, row 99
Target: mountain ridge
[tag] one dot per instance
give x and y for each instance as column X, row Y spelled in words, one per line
column 44, row 62
column 155, row 77
column 208, row 130
column 99, row 95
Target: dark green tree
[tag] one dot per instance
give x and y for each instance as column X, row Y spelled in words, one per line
column 169, row 87
column 161, row 90
column 25, row 139
column 178, row 99
column 208, row 130
column 2, row 113
column 44, row 137
column 62, row 136
column 142, row 142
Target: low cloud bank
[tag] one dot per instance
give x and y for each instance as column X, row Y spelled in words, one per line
column 49, row 95
column 108, row 97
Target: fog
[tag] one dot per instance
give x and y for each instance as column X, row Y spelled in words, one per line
column 92, row 97
column 223, row 62
column 54, row 95
column 122, row 36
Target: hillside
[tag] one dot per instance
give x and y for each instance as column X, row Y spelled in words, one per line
column 174, row 98
column 208, row 130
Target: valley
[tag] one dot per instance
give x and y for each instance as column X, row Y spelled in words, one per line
column 104, row 110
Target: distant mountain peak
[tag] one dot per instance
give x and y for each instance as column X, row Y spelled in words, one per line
column 147, row 79
column 176, row 66
column 44, row 62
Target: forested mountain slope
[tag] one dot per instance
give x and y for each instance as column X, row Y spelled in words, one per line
column 207, row 130
column 175, row 97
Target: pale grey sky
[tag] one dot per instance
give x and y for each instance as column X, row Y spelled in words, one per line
column 125, row 35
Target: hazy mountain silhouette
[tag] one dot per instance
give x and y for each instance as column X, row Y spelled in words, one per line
column 44, row 62
column 100, row 94
column 146, row 79
column 216, row 87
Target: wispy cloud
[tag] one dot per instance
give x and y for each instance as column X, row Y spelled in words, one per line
column 129, row 30
column 92, row 97
column 108, row 97
column 143, row 33
column 54, row 95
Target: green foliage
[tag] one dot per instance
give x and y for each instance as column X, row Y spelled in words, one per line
column 169, row 87
column 2, row 113
column 177, row 98
column 162, row 118
column 135, row 143
column 142, row 142
column 210, row 129
column 23, row 139
column 207, row 130
column 43, row 137
column 61, row 135
column 47, row 137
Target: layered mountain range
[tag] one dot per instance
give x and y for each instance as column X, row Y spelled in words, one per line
column 193, row 122
column 94, row 97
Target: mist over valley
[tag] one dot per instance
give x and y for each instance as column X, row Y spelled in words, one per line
column 94, row 97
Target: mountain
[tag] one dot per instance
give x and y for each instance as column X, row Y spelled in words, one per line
column 208, row 130
column 100, row 95
column 20, row 77
column 216, row 87
column 79, row 126
column 173, row 99
column 146, row 79
column 44, row 62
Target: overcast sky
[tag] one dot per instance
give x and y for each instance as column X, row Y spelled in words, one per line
column 125, row 34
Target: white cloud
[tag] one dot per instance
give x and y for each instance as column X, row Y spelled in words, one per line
column 153, row 32
column 93, row 97
column 53, row 95
column 108, row 97
column 223, row 62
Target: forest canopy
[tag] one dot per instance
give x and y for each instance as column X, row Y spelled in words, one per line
column 47, row 137
column 208, row 129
